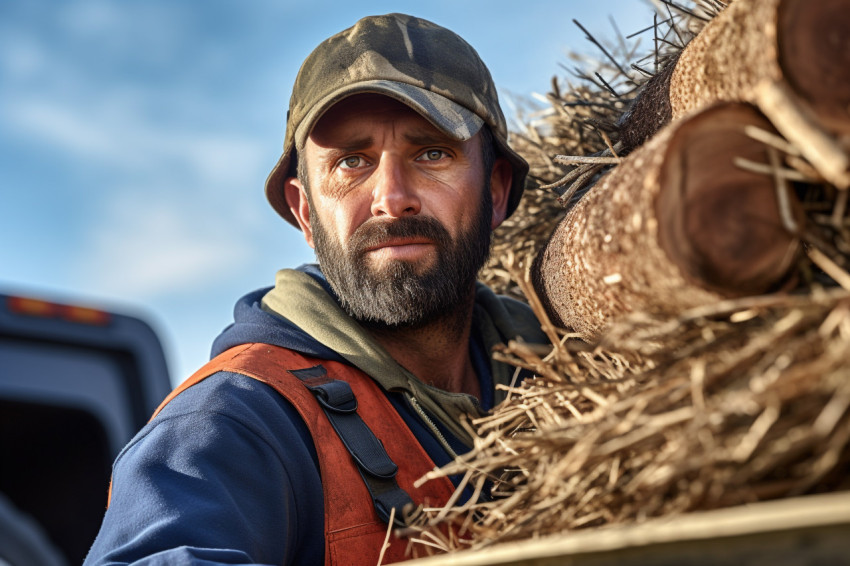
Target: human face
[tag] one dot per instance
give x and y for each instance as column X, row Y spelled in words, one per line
column 400, row 214
column 397, row 293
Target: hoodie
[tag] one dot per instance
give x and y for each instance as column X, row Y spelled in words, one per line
column 228, row 473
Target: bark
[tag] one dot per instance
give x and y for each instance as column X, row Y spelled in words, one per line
column 803, row 44
column 798, row 48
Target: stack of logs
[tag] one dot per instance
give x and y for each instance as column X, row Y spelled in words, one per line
column 702, row 207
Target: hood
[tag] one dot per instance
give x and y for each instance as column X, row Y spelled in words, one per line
column 253, row 324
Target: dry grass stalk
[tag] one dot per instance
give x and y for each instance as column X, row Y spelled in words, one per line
column 564, row 127
column 788, row 113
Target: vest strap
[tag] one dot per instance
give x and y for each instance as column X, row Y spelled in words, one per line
column 374, row 464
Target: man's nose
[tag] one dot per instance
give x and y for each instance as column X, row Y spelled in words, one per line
column 393, row 194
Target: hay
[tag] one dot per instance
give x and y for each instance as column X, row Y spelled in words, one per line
column 743, row 401
column 733, row 402
column 736, row 402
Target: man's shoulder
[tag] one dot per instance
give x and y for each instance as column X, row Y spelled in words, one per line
column 223, row 392
column 227, row 399
column 241, row 438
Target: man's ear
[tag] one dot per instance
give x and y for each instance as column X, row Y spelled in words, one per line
column 296, row 198
column 500, row 189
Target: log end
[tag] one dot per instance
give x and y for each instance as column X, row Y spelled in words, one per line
column 720, row 224
column 814, row 54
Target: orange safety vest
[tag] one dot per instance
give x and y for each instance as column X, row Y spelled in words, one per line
column 354, row 533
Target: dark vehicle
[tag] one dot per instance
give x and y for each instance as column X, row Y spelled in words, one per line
column 75, row 384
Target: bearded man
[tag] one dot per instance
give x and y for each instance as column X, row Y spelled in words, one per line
column 339, row 387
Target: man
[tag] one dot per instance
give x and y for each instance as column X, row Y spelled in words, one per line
column 335, row 390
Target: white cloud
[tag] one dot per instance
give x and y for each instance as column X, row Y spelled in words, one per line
column 147, row 248
column 154, row 217
column 124, row 31
column 117, row 136
column 158, row 194
column 22, row 57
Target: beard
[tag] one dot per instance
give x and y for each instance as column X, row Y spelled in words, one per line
column 399, row 293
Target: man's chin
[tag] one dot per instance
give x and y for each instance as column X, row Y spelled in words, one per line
column 382, row 268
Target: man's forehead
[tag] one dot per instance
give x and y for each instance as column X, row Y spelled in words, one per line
column 347, row 123
column 377, row 106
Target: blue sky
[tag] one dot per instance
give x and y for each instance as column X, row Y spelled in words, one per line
column 135, row 138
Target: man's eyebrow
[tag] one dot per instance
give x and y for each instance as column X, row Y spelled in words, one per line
column 349, row 145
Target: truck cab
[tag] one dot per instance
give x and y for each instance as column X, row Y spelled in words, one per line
column 76, row 383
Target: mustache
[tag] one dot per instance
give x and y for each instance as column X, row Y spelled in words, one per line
column 377, row 231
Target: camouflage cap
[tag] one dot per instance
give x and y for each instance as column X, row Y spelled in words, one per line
column 423, row 65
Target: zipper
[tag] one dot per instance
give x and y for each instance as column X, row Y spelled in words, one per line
column 485, row 495
column 430, row 424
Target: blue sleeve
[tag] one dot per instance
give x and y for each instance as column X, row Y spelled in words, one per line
column 226, row 474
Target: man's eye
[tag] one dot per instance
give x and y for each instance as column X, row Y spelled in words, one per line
column 352, row 162
column 432, row 155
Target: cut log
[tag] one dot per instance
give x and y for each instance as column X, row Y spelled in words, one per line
column 798, row 48
column 676, row 225
column 802, row 43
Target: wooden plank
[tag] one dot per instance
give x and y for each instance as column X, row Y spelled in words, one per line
column 798, row 531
